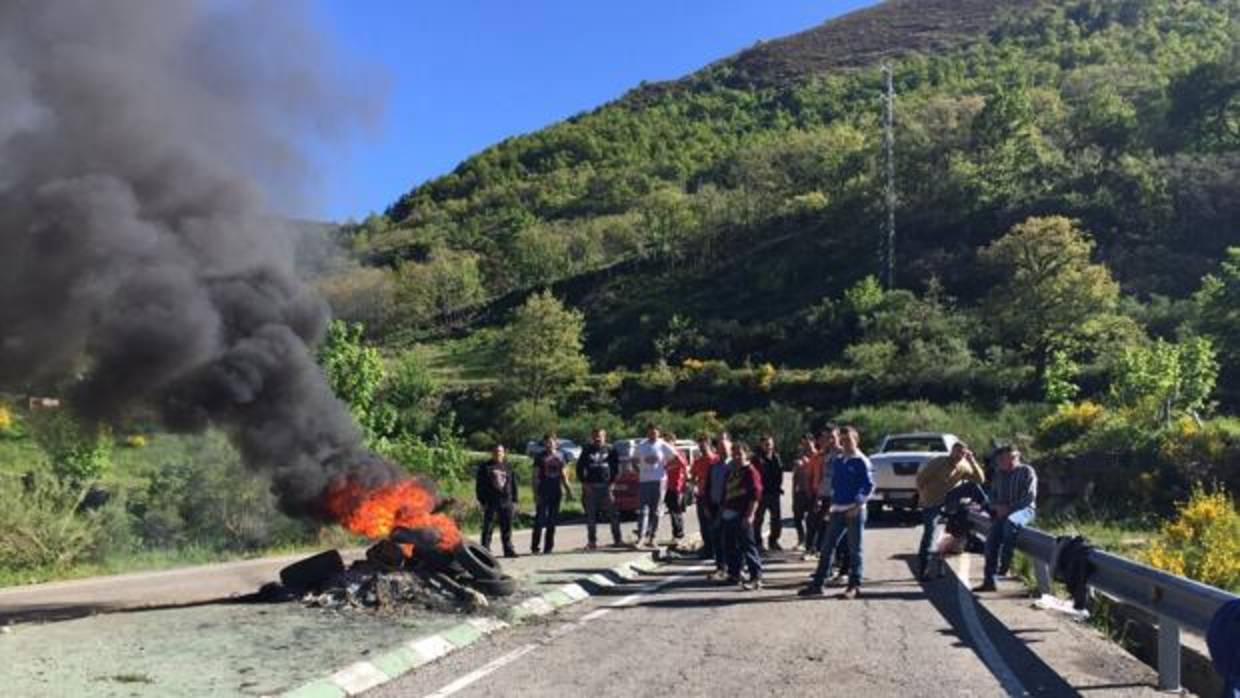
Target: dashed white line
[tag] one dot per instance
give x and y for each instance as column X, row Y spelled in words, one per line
column 482, row 671
column 596, row 613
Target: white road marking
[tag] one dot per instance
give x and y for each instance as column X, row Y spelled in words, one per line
column 596, row 613
column 359, row 678
column 481, row 672
column 990, row 655
column 500, row 662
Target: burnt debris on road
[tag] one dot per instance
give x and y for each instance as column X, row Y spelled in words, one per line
column 402, row 573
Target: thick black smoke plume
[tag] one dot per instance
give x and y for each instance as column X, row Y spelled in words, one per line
column 136, row 249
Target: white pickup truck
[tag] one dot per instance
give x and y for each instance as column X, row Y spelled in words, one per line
column 896, row 463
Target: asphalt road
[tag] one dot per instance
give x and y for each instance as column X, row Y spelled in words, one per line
column 673, row 633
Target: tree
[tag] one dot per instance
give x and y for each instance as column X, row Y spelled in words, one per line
column 909, row 341
column 681, row 340
column 412, row 392
column 1058, row 384
column 1218, row 308
column 1205, row 104
column 667, row 219
column 1163, row 379
column 542, row 358
column 1052, row 296
column 355, row 373
column 447, row 280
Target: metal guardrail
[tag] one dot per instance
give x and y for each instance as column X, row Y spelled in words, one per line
column 1175, row 601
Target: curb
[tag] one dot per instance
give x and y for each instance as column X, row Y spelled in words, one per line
column 365, row 675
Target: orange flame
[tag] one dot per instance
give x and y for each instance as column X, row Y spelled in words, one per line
column 374, row 513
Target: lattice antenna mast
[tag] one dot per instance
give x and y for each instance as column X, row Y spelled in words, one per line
column 889, row 167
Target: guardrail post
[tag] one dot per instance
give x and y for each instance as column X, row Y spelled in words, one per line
column 1042, row 573
column 1168, row 654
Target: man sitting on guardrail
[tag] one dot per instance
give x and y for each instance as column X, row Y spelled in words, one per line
column 1012, row 506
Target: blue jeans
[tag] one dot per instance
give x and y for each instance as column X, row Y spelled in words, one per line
column 1001, row 542
column 839, row 526
column 649, row 497
column 546, row 511
column 707, row 526
column 720, row 550
column 742, row 546
column 929, row 522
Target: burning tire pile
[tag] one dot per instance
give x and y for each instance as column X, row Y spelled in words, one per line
column 399, row 574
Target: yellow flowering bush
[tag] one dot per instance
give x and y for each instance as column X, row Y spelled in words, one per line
column 1202, row 542
column 1068, row 423
column 1186, row 441
column 765, row 376
column 6, row 419
column 136, row 441
column 707, row 372
column 692, row 365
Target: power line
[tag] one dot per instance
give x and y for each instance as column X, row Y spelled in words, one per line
column 889, row 166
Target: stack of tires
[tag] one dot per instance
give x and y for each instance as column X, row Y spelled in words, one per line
column 479, row 569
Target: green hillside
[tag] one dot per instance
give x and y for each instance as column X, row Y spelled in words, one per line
column 746, row 197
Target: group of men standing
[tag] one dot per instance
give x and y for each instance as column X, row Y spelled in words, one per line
column 737, row 491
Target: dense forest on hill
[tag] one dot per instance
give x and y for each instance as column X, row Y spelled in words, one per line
column 747, row 202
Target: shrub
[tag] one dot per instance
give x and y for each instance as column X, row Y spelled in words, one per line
column 1116, row 432
column 526, row 419
column 136, row 441
column 1068, row 423
column 708, row 373
column 10, row 425
column 580, row 425
column 659, row 377
column 412, row 393
column 683, row 426
column 783, row 422
column 762, row 378
column 208, row 498
column 1188, row 441
column 1203, row 541
column 980, row 428
column 78, row 451
column 40, row 524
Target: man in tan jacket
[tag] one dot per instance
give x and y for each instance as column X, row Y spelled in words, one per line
column 935, row 479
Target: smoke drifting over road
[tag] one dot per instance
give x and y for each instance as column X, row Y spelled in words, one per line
column 136, row 141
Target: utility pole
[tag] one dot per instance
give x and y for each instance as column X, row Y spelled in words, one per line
column 889, row 167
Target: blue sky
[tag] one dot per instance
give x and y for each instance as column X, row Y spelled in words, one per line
column 464, row 74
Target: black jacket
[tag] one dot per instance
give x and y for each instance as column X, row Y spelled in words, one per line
column 772, row 470
column 495, row 483
column 598, row 465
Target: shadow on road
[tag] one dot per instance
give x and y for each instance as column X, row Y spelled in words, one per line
column 51, row 613
column 1010, row 644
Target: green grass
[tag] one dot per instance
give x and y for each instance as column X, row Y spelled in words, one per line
column 469, row 360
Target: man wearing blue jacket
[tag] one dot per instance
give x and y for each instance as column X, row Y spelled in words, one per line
column 852, row 482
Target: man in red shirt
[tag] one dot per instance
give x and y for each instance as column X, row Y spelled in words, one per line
column 674, row 498
column 698, row 473
column 742, row 492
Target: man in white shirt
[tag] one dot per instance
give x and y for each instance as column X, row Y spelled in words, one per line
column 652, row 456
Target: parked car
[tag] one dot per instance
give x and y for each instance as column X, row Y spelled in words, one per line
column 627, row 482
column 896, row 462
column 569, row 450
